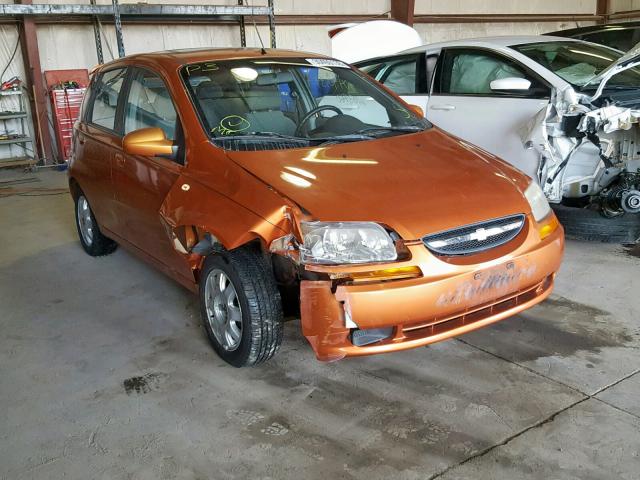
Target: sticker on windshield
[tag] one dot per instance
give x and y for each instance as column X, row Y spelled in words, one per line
column 231, row 124
column 326, row 62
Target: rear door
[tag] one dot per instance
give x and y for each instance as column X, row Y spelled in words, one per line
column 406, row 75
column 463, row 103
column 142, row 183
column 97, row 142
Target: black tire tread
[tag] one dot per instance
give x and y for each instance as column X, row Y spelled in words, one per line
column 258, row 286
column 589, row 225
column 264, row 301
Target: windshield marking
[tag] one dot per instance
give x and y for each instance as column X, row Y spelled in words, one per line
column 232, row 124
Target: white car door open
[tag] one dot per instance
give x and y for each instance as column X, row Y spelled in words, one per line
column 486, row 99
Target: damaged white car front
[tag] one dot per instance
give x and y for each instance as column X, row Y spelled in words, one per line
column 589, row 140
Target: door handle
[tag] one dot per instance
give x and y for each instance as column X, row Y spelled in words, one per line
column 81, row 140
column 119, row 159
column 443, row 107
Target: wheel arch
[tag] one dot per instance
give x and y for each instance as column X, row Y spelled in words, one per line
column 74, row 188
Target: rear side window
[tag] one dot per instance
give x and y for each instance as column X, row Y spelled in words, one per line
column 105, row 100
column 399, row 74
column 149, row 105
column 401, row 77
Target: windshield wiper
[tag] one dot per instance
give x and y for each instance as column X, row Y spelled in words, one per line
column 367, row 134
column 405, row 129
column 261, row 135
column 351, row 137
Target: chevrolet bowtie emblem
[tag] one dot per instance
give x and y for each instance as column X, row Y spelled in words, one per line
column 480, row 235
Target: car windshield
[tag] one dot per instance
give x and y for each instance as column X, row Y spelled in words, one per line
column 292, row 102
column 578, row 62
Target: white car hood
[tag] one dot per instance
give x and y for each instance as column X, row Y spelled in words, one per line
column 628, row 60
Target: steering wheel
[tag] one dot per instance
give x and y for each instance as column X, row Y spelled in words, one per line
column 313, row 112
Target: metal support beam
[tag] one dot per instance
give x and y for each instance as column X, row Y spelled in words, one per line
column 98, row 37
column 35, row 87
column 602, row 9
column 625, row 15
column 243, row 30
column 118, row 26
column 272, row 24
column 130, row 10
column 402, row 11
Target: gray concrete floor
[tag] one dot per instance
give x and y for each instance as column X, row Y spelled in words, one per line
column 105, row 373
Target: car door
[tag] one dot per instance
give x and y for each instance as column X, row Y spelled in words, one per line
column 96, row 143
column 463, row 103
column 142, row 183
column 406, row 75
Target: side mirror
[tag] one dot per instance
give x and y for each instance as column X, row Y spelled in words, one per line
column 510, row 84
column 148, row 142
column 417, row 109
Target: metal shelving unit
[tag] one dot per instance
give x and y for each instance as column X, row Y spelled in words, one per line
column 21, row 138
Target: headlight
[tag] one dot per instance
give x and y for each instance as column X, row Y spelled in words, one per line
column 345, row 242
column 539, row 206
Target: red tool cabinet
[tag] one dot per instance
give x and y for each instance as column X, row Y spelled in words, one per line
column 65, row 106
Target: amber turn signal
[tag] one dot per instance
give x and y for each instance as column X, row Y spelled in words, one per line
column 398, row 273
column 548, row 226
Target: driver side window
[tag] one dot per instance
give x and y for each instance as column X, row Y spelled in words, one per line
column 470, row 72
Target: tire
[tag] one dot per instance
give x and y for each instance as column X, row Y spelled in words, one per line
column 590, row 225
column 94, row 243
column 253, row 334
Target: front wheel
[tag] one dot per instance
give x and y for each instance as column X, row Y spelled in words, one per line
column 241, row 307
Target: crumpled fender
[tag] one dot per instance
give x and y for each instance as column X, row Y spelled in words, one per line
column 190, row 203
column 544, row 133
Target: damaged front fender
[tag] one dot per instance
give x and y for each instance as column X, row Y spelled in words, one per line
column 191, row 204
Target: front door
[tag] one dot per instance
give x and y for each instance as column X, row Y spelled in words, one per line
column 463, row 103
column 142, row 183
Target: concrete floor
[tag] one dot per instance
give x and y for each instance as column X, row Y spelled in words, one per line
column 105, row 373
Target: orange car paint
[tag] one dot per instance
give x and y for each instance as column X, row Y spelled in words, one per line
column 416, row 183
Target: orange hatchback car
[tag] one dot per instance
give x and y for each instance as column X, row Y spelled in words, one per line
column 271, row 178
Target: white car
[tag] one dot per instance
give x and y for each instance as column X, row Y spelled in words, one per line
column 563, row 111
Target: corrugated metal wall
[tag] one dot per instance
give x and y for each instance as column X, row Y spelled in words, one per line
column 72, row 46
column 67, row 45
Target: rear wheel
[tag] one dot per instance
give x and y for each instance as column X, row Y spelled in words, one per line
column 241, row 307
column 588, row 224
column 91, row 238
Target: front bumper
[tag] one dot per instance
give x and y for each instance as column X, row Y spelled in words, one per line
column 454, row 296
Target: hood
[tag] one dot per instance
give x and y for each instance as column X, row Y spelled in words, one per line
column 628, row 60
column 360, row 41
column 416, row 184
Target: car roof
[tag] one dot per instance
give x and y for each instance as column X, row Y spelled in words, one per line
column 500, row 41
column 177, row 58
column 596, row 28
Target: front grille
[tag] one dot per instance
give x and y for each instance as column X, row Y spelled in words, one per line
column 476, row 237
